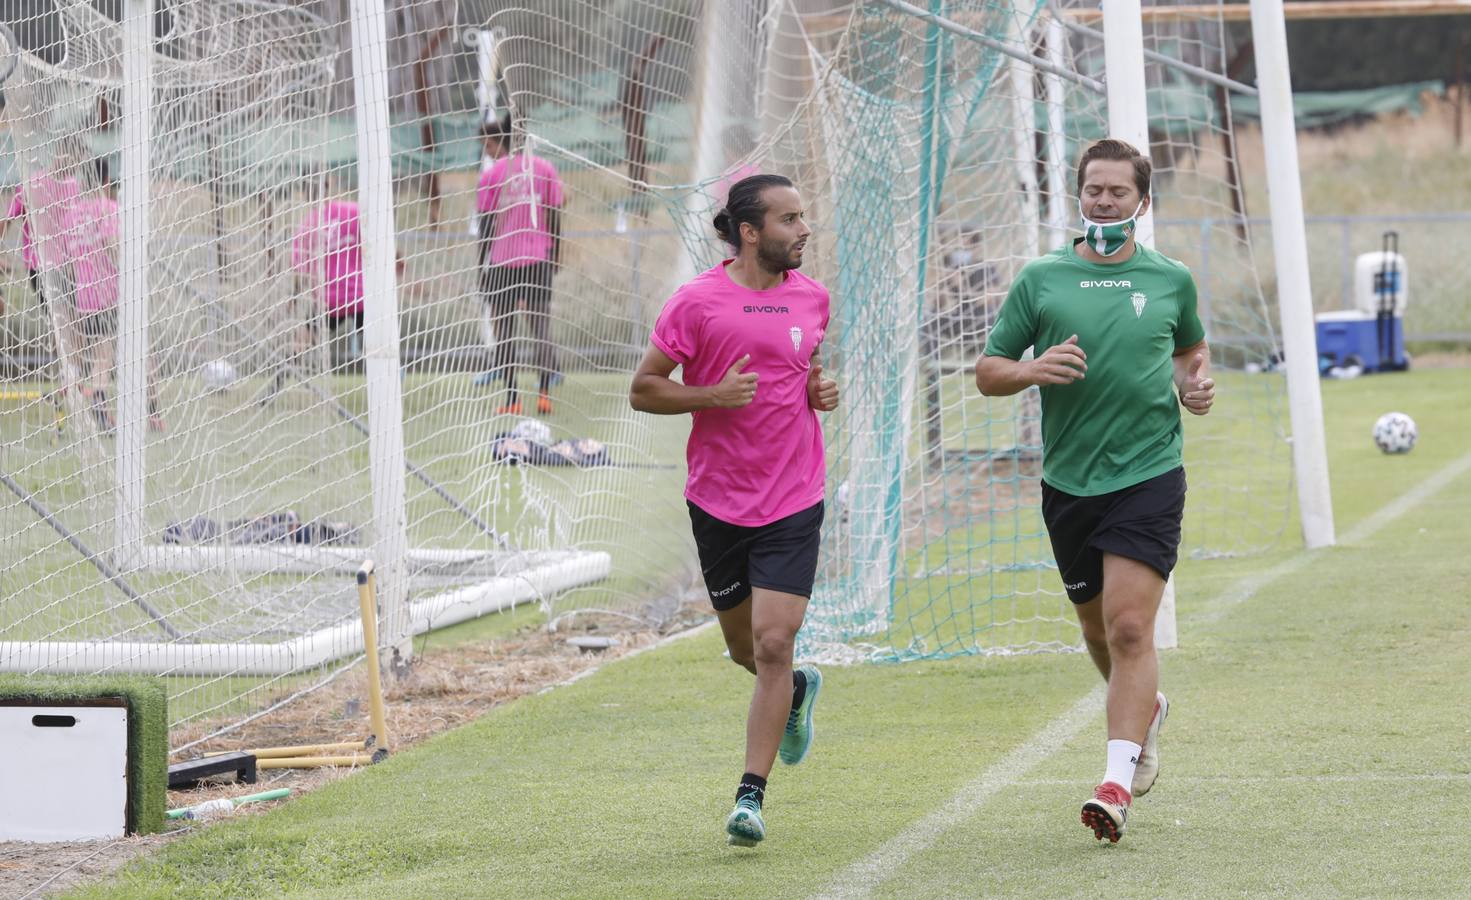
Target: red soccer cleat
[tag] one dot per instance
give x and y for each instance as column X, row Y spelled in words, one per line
column 1107, row 812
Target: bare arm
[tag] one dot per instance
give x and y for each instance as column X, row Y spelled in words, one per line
column 483, row 229
column 997, row 376
column 653, row 391
column 554, row 227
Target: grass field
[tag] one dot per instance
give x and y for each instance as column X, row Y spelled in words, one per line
column 1318, row 747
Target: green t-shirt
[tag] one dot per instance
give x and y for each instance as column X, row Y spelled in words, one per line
column 1119, row 425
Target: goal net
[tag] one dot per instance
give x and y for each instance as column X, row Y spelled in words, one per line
column 936, row 155
column 230, row 567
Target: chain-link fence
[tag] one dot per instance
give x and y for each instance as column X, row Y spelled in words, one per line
column 1438, row 270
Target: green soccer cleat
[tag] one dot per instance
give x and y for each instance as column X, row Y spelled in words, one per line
column 744, row 826
column 798, row 737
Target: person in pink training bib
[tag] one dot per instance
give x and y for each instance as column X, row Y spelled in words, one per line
column 328, row 252
column 519, row 202
column 50, row 196
column 747, row 333
column 89, row 244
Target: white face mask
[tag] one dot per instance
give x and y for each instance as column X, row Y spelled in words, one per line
column 1108, row 238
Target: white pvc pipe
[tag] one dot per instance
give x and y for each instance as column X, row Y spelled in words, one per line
column 132, row 333
column 1059, row 187
column 307, row 651
column 1024, row 129
column 486, row 90
column 380, row 326
column 1294, row 289
column 315, row 559
column 1128, row 120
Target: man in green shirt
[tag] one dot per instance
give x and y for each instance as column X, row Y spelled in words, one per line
column 1117, row 338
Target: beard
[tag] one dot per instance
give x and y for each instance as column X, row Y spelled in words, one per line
column 775, row 256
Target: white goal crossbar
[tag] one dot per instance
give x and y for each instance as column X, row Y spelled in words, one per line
column 555, row 572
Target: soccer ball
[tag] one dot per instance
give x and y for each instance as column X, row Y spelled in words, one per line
column 217, row 374
column 1395, row 433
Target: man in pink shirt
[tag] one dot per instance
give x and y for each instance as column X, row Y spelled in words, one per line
column 519, row 202
column 756, row 465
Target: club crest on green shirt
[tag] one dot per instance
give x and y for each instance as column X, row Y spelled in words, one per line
column 1138, row 299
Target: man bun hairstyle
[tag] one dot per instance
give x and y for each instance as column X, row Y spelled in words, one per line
column 744, row 203
column 1123, row 151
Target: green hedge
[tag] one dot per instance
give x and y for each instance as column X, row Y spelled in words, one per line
column 148, row 731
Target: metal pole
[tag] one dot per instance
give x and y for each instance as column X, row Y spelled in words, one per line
column 380, row 327
column 956, row 28
column 1294, row 287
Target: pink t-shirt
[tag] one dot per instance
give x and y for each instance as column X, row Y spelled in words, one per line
column 89, row 239
column 519, row 191
column 329, row 246
column 764, row 461
column 49, row 197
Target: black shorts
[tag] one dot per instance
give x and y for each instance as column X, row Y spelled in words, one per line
column 779, row 556
column 336, row 319
column 506, row 286
column 1140, row 522
column 99, row 324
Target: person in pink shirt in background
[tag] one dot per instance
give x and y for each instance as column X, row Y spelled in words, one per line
column 51, row 195
column 327, row 251
column 747, row 333
column 327, row 255
column 89, row 245
column 519, row 202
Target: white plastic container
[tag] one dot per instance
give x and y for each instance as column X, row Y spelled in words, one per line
column 1379, row 275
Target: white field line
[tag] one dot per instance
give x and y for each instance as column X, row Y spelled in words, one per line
column 859, row 879
column 1357, row 778
column 863, row 876
column 1356, row 535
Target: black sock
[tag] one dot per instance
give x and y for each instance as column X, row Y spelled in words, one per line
column 752, row 784
column 799, row 687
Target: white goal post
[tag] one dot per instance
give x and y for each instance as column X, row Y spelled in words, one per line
column 217, row 121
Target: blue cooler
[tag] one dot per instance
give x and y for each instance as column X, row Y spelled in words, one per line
column 1352, row 336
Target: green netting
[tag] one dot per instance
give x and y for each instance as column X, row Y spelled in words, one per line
column 922, row 156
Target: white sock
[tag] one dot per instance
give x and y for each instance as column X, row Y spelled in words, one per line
column 1123, row 756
